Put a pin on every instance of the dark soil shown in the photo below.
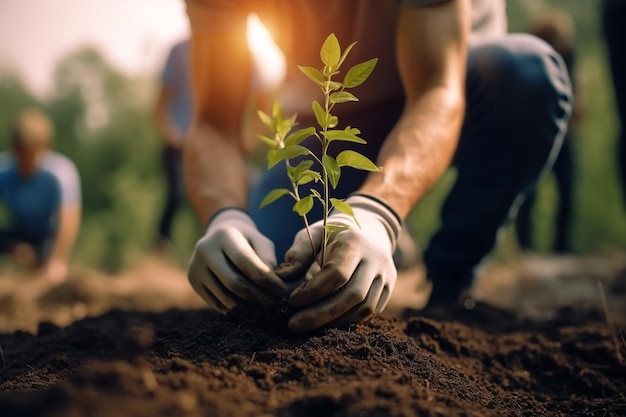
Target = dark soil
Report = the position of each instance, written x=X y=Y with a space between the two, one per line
x=130 y=361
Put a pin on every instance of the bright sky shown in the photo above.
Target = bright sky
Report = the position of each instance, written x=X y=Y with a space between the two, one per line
x=133 y=35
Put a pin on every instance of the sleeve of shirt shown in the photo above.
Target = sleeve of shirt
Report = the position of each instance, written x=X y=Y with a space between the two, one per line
x=168 y=73
x=67 y=176
x=70 y=185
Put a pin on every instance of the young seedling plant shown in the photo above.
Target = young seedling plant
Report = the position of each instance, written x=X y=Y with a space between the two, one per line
x=285 y=145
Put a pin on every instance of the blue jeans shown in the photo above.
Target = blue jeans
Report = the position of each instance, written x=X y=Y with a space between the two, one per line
x=518 y=104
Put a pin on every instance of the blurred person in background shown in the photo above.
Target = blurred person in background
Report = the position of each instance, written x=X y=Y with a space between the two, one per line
x=451 y=86
x=40 y=189
x=613 y=18
x=172 y=115
x=557 y=29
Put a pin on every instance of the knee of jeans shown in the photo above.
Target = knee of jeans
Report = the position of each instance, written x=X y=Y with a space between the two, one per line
x=523 y=67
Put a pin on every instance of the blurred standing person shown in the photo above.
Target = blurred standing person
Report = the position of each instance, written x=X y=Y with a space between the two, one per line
x=172 y=114
x=41 y=190
x=557 y=29
x=613 y=15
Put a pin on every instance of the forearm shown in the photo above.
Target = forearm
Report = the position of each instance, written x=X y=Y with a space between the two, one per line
x=214 y=170
x=432 y=68
x=65 y=238
x=419 y=149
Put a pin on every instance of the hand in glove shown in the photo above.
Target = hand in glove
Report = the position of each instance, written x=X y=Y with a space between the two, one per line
x=234 y=262
x=359 y=274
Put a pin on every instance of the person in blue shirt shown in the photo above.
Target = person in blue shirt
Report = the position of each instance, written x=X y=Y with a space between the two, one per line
x=172 y=115
x=40 y=190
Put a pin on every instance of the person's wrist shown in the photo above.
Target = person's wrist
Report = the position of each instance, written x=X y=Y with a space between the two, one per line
x=383 y=212
x=228 y=213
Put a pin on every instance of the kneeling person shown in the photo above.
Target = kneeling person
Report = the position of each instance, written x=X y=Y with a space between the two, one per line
x=40 y=189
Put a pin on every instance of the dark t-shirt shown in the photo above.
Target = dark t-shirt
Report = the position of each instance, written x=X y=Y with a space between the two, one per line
x=300 y=26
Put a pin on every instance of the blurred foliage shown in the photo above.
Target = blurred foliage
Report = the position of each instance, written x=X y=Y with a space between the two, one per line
x=103 y=122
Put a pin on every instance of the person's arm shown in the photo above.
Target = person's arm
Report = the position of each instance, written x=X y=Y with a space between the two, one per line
x=214 y=160
x=172 y=135
x=431 y=50
x=64 y=240
x=233 y=261
x=359 y=275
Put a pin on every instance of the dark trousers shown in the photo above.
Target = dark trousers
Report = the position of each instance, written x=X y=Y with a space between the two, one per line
x=175 y=196
x=518 y=105
x=614 y=25
x=563 y=172
x=40 y=243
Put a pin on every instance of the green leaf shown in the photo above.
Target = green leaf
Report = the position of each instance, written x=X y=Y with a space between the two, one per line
x=332 y=121
x=286 y=153
x=273 y=195
x=305 y=179
x=320 y=114
x=298 y=136
x=343 y=135
x=330 y=53
x=270 y=142
x=277 y=111
x=294 y=172
x=271 y=153
x=345 y=54
x=302 y=174
x=314 y=74
x=342 y=97
x=332 y=85
x=359 y=73
x=354 y=159
x=344 y=207
x=317 y=195
x=332 y=168
x=336 y=227
x=300 y=168
x=303 y=206
x=267 y=121
x=283 y=127
x=309 y=176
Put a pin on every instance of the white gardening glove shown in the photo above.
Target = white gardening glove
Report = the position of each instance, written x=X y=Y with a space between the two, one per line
x=234 y=263
x=359 y=274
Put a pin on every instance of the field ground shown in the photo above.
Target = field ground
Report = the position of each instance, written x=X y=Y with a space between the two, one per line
x=546 y=338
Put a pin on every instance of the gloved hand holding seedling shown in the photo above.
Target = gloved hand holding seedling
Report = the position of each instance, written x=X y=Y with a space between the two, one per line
x=354 y=241
x=285 y=145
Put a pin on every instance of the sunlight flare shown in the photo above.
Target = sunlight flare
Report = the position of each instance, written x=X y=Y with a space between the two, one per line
x=269 y=61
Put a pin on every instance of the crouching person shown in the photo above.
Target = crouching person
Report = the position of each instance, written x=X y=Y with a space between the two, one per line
x=40 y=190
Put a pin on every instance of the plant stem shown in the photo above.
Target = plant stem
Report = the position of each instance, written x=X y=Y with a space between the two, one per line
x=325 y=172
x=307 y=226
x=325 y=209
